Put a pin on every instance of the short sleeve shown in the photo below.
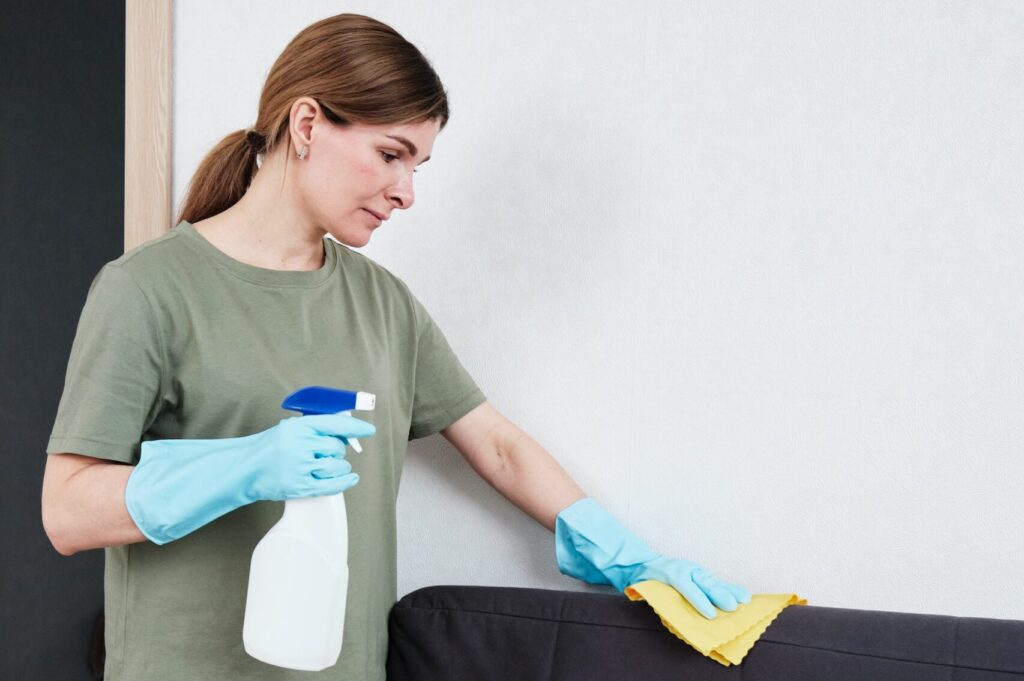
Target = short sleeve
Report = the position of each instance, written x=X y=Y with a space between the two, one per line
x=444 y=391
x=114 y=372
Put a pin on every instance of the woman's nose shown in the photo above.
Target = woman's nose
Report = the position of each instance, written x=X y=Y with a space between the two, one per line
x=402 y=195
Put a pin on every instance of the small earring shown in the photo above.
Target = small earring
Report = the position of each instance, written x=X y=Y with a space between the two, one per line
x=302 y=154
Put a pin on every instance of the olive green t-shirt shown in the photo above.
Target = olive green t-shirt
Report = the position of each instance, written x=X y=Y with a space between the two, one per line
x=179 y=340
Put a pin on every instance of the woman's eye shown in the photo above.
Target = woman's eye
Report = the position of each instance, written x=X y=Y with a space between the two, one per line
x=388 y=158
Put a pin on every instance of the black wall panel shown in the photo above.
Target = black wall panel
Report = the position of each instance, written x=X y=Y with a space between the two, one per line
x=61 y=219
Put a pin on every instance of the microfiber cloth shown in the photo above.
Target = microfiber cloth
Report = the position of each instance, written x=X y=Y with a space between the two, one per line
x=725 y=639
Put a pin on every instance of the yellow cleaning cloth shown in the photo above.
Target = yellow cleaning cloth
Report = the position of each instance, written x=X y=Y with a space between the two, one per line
x=725 y=639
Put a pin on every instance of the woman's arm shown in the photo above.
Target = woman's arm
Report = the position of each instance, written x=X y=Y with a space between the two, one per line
x=589 y=543
x=83 y=504
x=513 y=463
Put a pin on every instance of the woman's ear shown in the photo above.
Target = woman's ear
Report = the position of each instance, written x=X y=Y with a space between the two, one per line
x=301 y=118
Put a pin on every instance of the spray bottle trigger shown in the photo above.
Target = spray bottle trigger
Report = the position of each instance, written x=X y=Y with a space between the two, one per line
x=354 y=443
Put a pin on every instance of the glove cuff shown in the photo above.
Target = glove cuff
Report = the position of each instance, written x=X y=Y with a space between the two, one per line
x=591 y=545
x=570 y=561
x=180 y=485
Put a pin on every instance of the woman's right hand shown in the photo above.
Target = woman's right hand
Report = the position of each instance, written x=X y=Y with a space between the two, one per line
x=180 y=485
x=304 y=456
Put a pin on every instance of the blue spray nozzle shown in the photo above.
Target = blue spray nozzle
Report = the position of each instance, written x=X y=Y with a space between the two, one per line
x=316 y=399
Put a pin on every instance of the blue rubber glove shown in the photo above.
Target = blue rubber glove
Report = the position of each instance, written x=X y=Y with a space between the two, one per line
x=180 y=485
x=591 y=545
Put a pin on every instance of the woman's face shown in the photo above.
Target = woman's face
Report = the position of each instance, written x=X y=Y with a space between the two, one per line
x=356 y=175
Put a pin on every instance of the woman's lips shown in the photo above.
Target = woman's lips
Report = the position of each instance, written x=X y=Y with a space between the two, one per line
x=376 y=220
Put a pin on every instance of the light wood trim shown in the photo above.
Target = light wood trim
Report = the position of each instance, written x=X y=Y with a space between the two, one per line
x=148 y=64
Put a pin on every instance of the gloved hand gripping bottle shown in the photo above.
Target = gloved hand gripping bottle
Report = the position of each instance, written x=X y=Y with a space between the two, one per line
x=298 y=578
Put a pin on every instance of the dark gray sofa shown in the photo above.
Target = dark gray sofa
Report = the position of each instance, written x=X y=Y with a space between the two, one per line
x=461 y=633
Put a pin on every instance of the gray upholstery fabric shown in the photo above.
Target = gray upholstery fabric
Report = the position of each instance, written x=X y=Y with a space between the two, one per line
x=500 y=633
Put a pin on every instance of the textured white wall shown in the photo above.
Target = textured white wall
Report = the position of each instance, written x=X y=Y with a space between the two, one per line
x=750 y=271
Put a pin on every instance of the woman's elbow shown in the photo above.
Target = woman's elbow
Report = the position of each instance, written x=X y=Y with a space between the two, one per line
x=54 y=529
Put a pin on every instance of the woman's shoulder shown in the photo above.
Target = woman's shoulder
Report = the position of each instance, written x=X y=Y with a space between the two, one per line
x=150 y=265
x=369 y=271
x=152 y=254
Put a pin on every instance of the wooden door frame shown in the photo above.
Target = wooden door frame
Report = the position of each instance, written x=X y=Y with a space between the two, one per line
x=148 y=107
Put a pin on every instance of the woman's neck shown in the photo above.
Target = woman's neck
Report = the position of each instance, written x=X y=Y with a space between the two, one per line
x=264 y=233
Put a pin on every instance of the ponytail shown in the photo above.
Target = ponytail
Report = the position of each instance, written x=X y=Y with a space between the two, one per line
x=222 y=178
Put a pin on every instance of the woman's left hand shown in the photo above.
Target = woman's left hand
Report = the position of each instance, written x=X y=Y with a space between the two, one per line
x=697 y=585
x=593 y=546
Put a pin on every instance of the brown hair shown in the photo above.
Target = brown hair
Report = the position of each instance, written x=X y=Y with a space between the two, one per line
x=358 y=69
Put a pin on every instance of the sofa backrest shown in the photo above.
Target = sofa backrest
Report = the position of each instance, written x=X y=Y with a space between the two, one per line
x=449 y=633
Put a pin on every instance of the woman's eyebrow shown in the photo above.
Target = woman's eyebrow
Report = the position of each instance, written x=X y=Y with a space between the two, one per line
x=408 y=145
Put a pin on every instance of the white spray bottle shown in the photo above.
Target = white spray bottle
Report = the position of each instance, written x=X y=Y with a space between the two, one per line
x=298 y=578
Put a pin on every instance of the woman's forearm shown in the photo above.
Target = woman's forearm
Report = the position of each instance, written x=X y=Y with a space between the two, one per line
x=531 y=479
x=87 y=510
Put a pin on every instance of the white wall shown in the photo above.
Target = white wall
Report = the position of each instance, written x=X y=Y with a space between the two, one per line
x=750 y=271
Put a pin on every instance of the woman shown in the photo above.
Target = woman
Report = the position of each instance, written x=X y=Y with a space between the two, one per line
x=170 y=449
